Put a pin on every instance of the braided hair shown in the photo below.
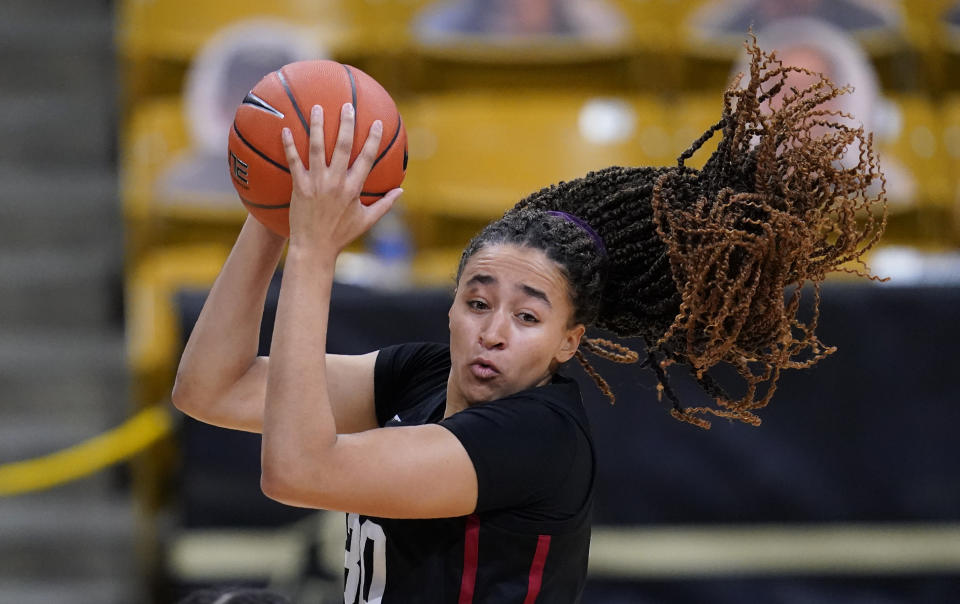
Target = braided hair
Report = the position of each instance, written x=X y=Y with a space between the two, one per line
x=697 y=262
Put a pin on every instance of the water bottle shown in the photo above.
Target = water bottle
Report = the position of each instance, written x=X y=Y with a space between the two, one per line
x=392 y=247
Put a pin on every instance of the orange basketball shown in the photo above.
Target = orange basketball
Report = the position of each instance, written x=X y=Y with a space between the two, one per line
x=258 y=166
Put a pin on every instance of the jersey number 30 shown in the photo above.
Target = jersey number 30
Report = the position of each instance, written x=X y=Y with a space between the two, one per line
x=366 y=544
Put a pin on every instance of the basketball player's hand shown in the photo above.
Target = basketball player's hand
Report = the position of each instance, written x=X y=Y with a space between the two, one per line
x=325 y=209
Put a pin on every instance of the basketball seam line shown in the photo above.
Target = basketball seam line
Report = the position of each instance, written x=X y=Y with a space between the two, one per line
x=296 y=107
x=262 y=206
x=258 y=151
x=293 y=101
x=353 y=89
x=396 y=133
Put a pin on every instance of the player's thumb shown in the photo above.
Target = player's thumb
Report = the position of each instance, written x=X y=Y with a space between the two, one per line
x=379 y=208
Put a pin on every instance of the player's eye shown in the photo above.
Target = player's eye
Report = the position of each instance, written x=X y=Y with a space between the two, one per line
x=477 y=304
x=527 y=317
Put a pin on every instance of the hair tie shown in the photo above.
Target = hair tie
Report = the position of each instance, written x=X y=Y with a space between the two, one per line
x=597 y=241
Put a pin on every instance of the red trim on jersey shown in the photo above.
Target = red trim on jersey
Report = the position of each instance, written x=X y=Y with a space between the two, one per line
x=536 y=569
x=471 y=554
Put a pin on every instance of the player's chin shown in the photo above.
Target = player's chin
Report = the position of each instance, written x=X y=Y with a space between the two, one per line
x=482 y=394
x=485 y=391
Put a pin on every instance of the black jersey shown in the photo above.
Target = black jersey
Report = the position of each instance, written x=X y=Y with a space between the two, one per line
x=529 y=537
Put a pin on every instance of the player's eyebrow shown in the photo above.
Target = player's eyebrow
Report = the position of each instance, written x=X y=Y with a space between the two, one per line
x=482 y=279
x=535 y=293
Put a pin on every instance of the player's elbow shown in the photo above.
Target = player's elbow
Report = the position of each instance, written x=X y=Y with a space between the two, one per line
x=290 y=488
x=275 y=486
x=180 y=396
x=299 y=474
x=187 y=398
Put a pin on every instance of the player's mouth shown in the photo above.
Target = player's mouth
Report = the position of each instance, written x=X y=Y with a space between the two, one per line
x=483 y=369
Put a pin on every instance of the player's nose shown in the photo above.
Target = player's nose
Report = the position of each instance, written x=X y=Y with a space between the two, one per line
x=493 y=334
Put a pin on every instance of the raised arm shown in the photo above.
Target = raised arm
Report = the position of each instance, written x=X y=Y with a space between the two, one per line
x=222 y=381
x=417 y=471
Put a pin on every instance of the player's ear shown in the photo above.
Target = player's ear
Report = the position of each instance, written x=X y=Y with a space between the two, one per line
x=571 y=341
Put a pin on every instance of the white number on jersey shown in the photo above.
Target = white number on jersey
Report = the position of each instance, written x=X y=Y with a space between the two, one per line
x=358 y=579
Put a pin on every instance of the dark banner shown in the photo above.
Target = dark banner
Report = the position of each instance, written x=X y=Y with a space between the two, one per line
x=867 y=435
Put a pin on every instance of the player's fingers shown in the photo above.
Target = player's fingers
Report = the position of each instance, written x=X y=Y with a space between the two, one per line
x=297 y=170
x=364 y=162
x=318 y=152
x=341 y=153
x=377 y=209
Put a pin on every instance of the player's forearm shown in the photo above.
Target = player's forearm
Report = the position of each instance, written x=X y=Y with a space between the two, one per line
x=299 y=429
x=224 y=341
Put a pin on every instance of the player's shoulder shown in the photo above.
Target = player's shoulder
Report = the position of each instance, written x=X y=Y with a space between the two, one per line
x=561 y=398
x=414 y=355
x=551 y=414
x=409 y=375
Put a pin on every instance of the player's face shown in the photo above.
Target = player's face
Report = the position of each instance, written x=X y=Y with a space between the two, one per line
x=510 y=324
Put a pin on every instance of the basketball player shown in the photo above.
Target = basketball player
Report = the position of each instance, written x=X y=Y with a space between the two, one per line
x=467 y=470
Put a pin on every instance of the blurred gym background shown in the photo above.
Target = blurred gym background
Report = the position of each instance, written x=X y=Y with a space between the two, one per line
x=117 y=212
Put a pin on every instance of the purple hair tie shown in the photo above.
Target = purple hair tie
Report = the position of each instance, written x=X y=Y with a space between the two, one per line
x=586 y=227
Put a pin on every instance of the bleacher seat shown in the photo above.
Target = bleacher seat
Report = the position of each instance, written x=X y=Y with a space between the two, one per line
x=175 y=30
x=949 y=112
x=917 y=153
x=476 y=154
x=156 y=136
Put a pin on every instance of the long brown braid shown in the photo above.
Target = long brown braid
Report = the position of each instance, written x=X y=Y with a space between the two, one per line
x=604 y=349
x=697 y=262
